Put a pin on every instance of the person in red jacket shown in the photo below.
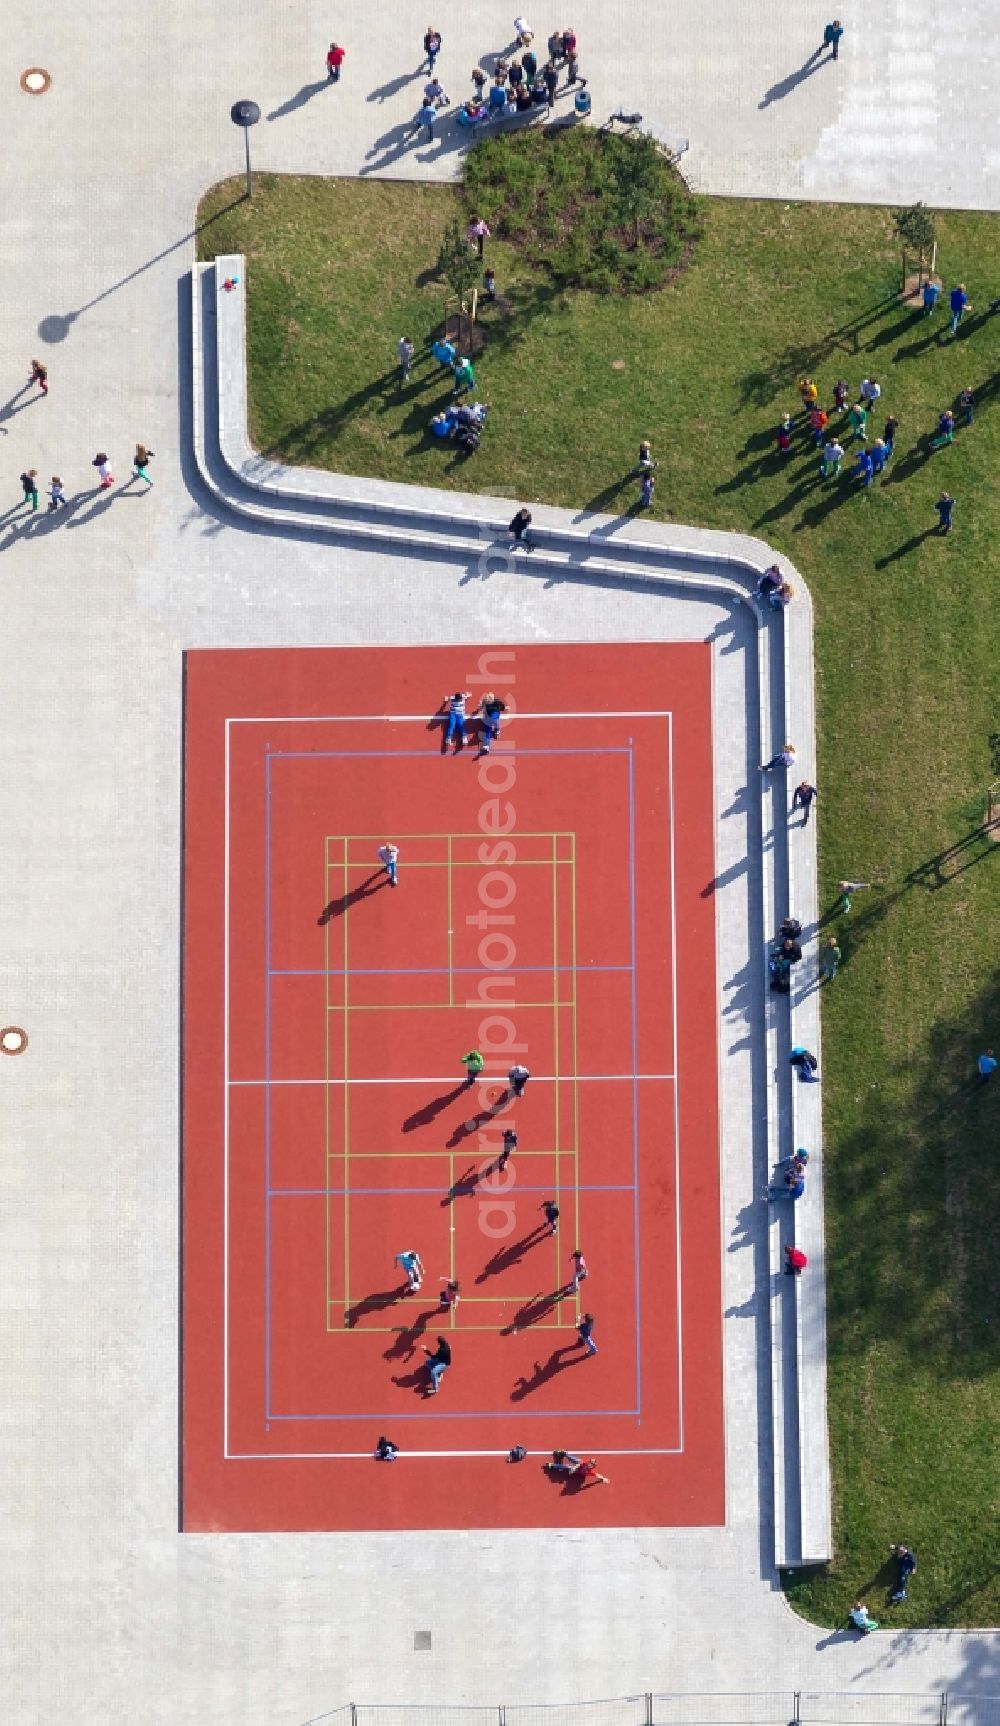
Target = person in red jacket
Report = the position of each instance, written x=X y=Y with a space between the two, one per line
x=334 y=61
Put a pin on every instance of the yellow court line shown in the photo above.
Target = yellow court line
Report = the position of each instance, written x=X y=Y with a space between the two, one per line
x=451 y=935
x=425 y=1006
x=397 y=1330
x=555 y=1045
x=576 y=1064
x=441 y=1152
x=327 y=1087
x=442 y=863
x=539 y=833
x=347 y=1108
x=473 y=1300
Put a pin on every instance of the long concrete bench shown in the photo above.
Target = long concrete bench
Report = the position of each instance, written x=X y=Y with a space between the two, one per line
x=451 y=525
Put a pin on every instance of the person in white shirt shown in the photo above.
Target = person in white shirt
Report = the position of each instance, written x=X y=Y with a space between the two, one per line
x=387 y=856
x=523 y=32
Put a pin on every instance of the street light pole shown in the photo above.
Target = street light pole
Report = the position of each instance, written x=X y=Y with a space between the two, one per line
x=245 y=114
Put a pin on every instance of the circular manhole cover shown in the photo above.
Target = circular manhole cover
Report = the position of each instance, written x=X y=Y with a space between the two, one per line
x=13 y=1041
x=35 y=81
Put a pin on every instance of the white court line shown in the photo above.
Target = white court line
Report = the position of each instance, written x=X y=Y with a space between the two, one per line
x=536 y=1079
x=410 y=1455
x=291 y=719
x=422 y=718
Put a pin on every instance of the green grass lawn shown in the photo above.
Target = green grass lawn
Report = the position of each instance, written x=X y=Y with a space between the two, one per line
x=908 y=652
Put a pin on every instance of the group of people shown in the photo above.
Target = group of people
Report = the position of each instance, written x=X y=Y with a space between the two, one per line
x=521 y=82
x=56 y=490
x=871 y=459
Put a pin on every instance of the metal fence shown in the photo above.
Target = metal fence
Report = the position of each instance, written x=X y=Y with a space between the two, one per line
x=760 y=1708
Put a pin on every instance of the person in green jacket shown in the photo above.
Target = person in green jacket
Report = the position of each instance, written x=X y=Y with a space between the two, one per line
x=473 y=1063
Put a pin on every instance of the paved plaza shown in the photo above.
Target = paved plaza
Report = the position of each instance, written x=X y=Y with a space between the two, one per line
x=109 y=1615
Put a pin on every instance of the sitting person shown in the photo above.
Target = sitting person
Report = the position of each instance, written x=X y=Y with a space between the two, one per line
x=861 y=1618
x=780 y=595
x=442 y=425
x=790 y=926
x=806 y=1062
x=791 y=950
x=523 y=100
x=791 y=1186
x=386 y=1450
x=563 y=1462
x=471 y=113
x=780 y=972
x=468 y=439
x=769 y=581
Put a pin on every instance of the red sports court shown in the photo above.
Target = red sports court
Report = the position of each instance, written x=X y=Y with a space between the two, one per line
x=554 y=908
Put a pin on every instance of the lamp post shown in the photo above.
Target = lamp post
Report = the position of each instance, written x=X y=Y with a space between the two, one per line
x=245 y=114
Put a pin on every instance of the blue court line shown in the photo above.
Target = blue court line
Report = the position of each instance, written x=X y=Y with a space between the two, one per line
x=422 y=753
x=471 y=1413
x=393 y=1192
x=443 y=971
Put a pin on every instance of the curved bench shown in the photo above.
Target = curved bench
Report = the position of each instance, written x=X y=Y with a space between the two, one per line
x=451 y=525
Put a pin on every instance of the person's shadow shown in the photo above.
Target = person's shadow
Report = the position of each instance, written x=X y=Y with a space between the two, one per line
x=14 y=405
x=786 y=85
x=558 y=1361
x=404 y=1347
x=504 y=1257
x=419 y=1380
x=337 y=907
x=299 y=100
x=383 y=91
x=465 y=1185
x=423 y=1116
x=473 y=1123
x=373 y=1303
x=533 y=1311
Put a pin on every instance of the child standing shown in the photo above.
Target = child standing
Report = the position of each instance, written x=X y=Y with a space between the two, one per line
x=29 y=486
x=785 y=434
x=819 y=419
x=56 y=494
x=334 y=61
x=105 y=477
x=841 y=391
x=40 y=376
x=966 y=402
x=857 y=418
x=490 y=283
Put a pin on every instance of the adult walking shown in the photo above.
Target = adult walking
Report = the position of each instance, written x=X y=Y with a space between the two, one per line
x=517 y=1078
x=831 y=37
x=959 y=306
x=405 y=350
x=334 y=61
x=432 y=45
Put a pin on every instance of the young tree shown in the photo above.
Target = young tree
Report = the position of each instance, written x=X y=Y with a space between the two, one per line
x=915 y=229
x=458 y=264
x=636 y=170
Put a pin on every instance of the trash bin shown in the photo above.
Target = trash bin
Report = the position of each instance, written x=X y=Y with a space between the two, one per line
x=581 y=104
